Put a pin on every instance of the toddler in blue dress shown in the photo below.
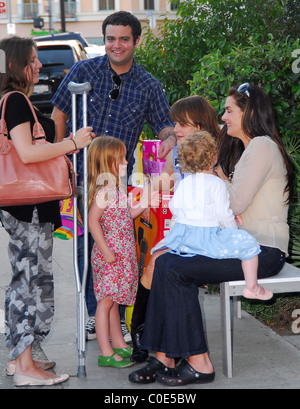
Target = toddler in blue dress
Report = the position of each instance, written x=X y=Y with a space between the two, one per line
x=205 y=224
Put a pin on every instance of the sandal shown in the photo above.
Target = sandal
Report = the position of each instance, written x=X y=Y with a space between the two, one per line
x=148 y=373
x=123 y=352
x=184 y=374
x=113 y=362
x=261 y=293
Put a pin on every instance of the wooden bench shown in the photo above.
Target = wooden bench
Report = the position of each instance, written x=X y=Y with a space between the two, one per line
x=287 y=281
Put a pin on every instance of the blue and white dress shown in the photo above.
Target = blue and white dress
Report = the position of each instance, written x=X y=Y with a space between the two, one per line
x=205 y=224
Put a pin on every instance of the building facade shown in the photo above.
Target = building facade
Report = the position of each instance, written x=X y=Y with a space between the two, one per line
x=83 y=16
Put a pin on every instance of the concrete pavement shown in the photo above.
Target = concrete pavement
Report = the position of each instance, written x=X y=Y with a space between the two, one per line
x=262 y=358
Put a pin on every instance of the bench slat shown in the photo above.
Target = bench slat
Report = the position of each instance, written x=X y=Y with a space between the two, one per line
x=288 y=280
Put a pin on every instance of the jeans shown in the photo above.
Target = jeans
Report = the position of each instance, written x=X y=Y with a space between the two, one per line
x=173 y=322
x=91 y=302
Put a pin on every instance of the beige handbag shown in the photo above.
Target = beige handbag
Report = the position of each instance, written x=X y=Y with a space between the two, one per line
x=33 y=183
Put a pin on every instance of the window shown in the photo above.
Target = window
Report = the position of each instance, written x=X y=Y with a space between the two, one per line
x=106 y=4
x=174 y=4
x=30 y=9
x=70 y=8
x=149 y=4
x=53 y=57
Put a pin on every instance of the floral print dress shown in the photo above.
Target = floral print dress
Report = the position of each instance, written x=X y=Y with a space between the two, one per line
x=119 y=280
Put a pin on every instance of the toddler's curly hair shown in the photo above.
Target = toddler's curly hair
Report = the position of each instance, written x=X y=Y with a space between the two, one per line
x=197 y=152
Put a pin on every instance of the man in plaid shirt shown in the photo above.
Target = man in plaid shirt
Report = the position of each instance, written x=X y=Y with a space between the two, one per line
x=123 y=96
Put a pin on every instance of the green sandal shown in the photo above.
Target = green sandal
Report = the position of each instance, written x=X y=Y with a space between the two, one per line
x=123 y=352
x=112 y=362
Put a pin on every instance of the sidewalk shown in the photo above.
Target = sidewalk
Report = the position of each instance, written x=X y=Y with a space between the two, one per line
x=262 y=358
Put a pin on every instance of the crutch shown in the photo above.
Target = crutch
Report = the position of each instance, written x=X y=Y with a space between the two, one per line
x=80 y=89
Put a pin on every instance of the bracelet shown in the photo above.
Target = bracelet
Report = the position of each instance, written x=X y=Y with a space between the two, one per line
x=76 y=149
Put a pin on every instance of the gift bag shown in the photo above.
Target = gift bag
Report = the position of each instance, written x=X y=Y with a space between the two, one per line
x=66 y=231
x=152 y=166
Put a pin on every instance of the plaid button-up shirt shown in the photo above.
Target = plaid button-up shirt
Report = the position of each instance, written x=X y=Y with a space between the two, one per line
x=141 y=99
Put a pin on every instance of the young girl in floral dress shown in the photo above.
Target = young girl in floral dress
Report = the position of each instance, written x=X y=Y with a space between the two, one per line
x=114 y=260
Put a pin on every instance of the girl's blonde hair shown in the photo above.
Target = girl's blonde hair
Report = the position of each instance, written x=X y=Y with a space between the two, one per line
x=104 y=156
x=17 y=52
x=197 y=153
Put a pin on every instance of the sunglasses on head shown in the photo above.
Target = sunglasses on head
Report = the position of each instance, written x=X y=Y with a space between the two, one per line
x=244 y=89
x=115 y=92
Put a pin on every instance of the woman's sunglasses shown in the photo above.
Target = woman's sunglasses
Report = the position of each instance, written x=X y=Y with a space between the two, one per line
x=244 y=89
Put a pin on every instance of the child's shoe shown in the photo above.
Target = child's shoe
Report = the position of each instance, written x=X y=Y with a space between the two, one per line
x=260 y=293
x=123 y=352
x=113 y=362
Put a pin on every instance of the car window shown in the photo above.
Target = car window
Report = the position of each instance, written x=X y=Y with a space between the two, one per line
x=62 y=57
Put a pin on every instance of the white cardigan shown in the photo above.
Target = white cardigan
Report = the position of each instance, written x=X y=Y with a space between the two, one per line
x=202 y=199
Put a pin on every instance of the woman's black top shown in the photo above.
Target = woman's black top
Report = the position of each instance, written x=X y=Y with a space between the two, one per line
x=18 y=112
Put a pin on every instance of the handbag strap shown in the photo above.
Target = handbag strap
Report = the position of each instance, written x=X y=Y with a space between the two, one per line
x=38 y=131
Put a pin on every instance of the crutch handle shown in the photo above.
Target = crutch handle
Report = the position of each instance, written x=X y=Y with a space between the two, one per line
x=83 y=88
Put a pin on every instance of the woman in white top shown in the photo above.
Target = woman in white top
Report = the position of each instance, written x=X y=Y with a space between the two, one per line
x=260 y=192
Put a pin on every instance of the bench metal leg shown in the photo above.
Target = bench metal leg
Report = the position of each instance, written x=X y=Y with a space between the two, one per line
x=227 y=324
x=237 y=307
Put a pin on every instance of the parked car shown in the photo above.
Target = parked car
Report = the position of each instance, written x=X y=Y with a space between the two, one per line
x=92 y=50
x=57 y=58
x=63 y=37
x=95 y=50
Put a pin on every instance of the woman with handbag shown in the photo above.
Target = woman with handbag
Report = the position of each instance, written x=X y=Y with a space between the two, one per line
x=29 y=305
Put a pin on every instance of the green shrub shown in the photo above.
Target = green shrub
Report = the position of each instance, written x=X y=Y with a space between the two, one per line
x=268 y=65
x=214 y=45
x=275 y=313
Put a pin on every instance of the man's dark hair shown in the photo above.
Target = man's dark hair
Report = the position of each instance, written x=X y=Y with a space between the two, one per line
x=123 y=18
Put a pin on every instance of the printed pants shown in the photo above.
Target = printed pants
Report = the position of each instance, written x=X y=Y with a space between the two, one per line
x=29 y=303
